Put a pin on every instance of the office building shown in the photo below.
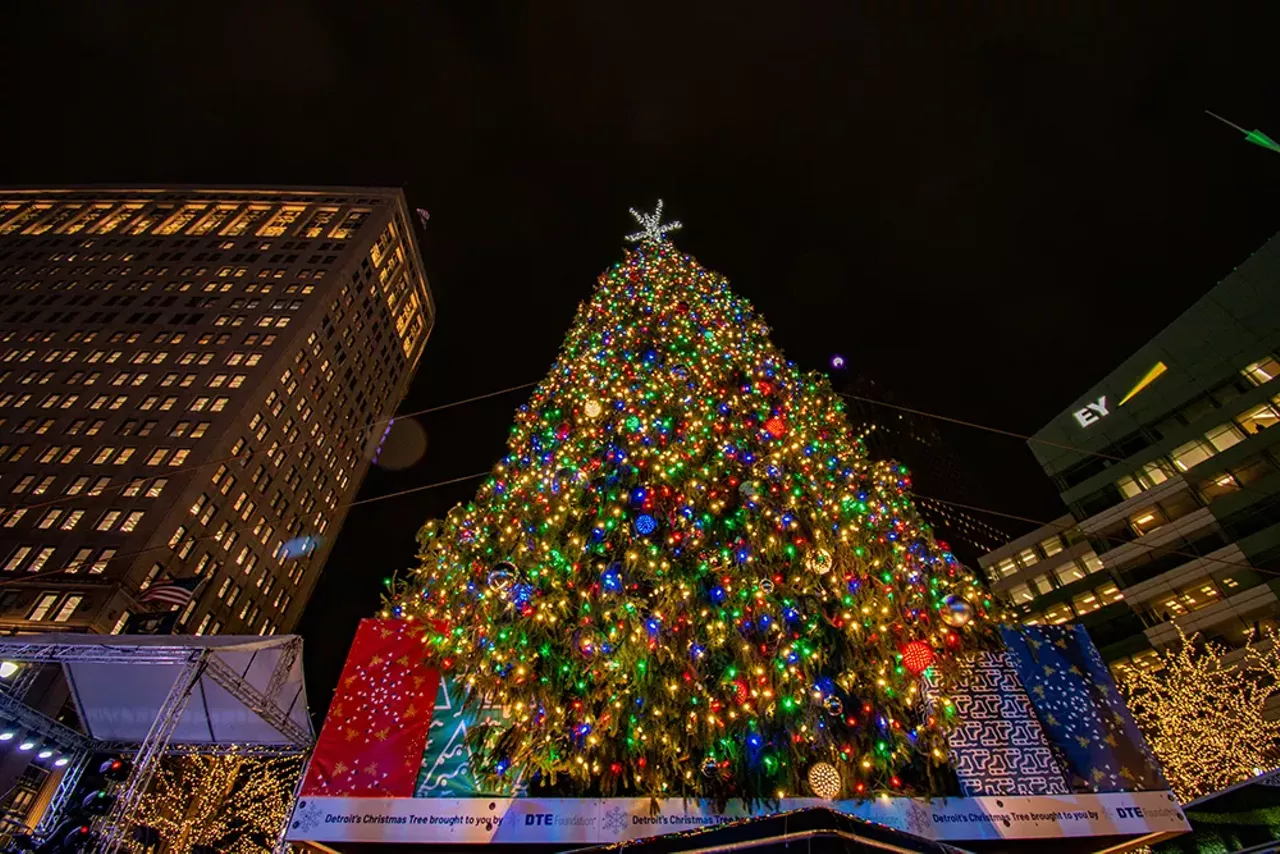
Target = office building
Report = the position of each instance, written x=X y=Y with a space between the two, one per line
x=188 y=382
x=1170 y=467
x=944 y=486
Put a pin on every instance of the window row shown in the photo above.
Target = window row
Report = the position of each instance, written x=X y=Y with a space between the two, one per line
x=1079 y=605
x=34 y=558
x=1067 y=573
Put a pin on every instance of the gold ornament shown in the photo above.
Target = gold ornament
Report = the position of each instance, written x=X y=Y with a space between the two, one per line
x=824 y=780
x=592 y=408
x=820 y=561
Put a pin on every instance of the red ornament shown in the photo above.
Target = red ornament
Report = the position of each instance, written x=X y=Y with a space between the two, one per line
x=917 y=657
x=776 y=427
x=741 y=693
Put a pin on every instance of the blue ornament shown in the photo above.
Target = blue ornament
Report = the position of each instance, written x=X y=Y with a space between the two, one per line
x=645 y=524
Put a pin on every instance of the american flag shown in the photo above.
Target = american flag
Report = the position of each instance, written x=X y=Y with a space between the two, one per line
x=173 y=591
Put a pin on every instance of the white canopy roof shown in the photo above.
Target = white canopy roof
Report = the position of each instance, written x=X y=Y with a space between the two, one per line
x=120 y=682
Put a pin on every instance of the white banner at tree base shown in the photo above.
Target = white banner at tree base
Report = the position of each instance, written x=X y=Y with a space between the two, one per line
x=588 y=821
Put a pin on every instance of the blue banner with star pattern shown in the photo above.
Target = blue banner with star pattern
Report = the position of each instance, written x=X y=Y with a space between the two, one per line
x=1081 y=711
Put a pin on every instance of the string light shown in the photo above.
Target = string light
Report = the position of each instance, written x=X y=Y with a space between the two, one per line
x=1204 y=716
x=229 y=802
x=700 y=567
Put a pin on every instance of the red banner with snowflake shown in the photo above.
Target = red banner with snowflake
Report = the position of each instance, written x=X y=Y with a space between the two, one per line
x=373 y=737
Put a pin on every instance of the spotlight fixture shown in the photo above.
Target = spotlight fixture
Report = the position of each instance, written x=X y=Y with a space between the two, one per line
x=44 y=754
x=60 y=761
x=7 y=735
x=26 y=745
x=8 y=668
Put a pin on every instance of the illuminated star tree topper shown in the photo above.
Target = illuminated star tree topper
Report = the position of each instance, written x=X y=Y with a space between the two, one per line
x=653 y=228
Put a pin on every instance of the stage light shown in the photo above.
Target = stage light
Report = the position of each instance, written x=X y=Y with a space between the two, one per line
x=7 y=735
x=60 y=761
x=8 y=668
x=44 y=754
x=26 y=745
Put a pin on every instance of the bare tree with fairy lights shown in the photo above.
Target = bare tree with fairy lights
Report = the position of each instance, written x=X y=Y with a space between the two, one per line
x=235 y=803
x=1202 y=711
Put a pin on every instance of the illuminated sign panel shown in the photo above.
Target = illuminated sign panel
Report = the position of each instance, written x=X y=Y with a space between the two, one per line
x=1092 y=413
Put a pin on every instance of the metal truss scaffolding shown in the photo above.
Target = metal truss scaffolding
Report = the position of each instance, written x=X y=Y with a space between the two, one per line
x=233 y=665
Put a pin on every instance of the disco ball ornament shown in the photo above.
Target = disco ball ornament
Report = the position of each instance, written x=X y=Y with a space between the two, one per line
x=766 y=585
x=776 y=427
x=592 y=408
x=502 y=577
x=956 y=611
x=680 y=372
x=833 y=705
x=917 y=657
x=749 y=490
x=824 y=780
x=709 y=767
x=820 y=561
x=645 y=524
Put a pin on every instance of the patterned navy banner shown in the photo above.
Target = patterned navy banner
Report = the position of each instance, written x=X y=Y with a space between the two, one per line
x=998 y=747
x=1081 y=711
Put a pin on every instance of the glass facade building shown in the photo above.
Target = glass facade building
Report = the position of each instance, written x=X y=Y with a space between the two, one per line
x=189 y=383
x=1170 y=467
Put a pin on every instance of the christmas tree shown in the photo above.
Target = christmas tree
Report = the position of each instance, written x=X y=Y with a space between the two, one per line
x=686 y=578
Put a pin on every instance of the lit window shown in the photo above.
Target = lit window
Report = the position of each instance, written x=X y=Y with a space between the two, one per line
x=108 y=520
x=77 y=563
x=1258 y=419
x=1027 y=557
x=43 y=605
x=179 y=456
x=1192 y=454
x=100 y=485
x=199 y=404
x=68 y=608
x=77 y=485
x=16 y=557
x=121 y=623
x=131 y=521
x=1224 y=436
x=1069 y=573
x=220 y=404
x=156 y=487
x=43 y=486
x=41 y=558
x=1021 y=594
x=1086 y=602
x=157 y=456
x=123 y=456
x=1145 y=521
x=103 y=454
x=72 y=519
x=1262 y=371
x=100 y=565
x=50 y=519
x=1051 y=546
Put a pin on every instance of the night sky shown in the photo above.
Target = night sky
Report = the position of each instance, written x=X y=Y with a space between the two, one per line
x=984 y=206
